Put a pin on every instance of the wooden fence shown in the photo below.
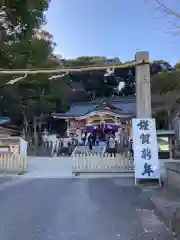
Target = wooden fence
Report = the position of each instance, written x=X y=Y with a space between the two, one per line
x=13 y=163
x=102 y=163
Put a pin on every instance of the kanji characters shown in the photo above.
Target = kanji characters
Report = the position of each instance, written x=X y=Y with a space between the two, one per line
x=145 y=138
x=147 y=169
x=143 y=125
x=146 y=154
x=144 y=79
x=146 y=158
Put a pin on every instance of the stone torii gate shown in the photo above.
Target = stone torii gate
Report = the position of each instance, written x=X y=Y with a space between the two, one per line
x=142 y=72
x=142 y=76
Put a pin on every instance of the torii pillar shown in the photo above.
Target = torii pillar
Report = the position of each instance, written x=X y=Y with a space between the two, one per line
x=143 y=86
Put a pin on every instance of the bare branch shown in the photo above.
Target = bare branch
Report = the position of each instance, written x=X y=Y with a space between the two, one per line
x=166 y=9
x=172 y=15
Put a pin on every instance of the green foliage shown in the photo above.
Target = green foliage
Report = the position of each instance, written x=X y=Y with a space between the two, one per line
x=90 y=61
x=165 y=88
x=24 y=45
x=164 y=82
x=177 y=66
x=20 y=46
x=21 y=17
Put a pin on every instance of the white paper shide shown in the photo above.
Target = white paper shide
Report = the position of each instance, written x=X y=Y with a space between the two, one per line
x=145 y=149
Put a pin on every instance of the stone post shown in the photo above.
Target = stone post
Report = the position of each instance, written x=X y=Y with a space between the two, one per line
x=143 y=86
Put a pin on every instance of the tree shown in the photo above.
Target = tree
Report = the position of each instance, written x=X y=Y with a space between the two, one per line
x=23 y=44
x=167 y=103
x=160 y=66
x=165 y=87
x=19 y=20
x=157 y=67
x=90 y=61
x=129 y=87
x=177 y=65
x=164 y=82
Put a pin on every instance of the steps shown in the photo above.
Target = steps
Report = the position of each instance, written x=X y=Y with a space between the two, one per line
x=95 y=149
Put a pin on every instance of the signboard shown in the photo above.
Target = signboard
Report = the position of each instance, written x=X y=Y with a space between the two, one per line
x=145 y=149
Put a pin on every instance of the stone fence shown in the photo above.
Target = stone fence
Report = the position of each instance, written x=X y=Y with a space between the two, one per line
x=173 y=175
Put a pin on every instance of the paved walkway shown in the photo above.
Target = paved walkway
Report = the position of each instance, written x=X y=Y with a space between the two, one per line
x=61 y=167
x=48 y=167
x=78 y=209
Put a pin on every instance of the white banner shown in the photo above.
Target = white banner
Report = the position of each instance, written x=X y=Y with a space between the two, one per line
x=145 y=148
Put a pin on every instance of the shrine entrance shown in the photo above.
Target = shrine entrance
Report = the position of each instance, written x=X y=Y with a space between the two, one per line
x=104 y=117
x=103 y=130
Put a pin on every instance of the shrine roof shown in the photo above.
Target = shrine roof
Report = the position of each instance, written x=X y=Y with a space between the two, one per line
x=117 y=105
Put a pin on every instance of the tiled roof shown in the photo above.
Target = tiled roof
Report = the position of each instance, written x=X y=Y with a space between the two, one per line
x=124 y=104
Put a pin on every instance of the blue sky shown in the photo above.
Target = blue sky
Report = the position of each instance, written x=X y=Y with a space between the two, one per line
x=111 y=28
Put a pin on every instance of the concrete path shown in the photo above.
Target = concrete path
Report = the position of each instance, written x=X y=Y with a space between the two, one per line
x=57 y=167
x=48 y=167
x=78 y=209
x=60 y=167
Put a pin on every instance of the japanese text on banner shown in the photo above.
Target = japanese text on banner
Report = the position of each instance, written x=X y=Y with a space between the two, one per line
x=145 y=148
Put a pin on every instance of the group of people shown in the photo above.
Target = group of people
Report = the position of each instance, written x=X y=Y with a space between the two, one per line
x=91 y=140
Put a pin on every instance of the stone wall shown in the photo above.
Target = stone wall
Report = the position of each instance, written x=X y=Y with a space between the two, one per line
x=173 y=175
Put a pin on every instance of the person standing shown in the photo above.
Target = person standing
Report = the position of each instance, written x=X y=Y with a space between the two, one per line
x=94 y=139
x=112 y=145
x=90 y=142
x=131 y=148
x=83 y=137
x=97 y=140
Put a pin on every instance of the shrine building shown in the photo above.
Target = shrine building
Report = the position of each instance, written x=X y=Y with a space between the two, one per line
x=101 y=115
